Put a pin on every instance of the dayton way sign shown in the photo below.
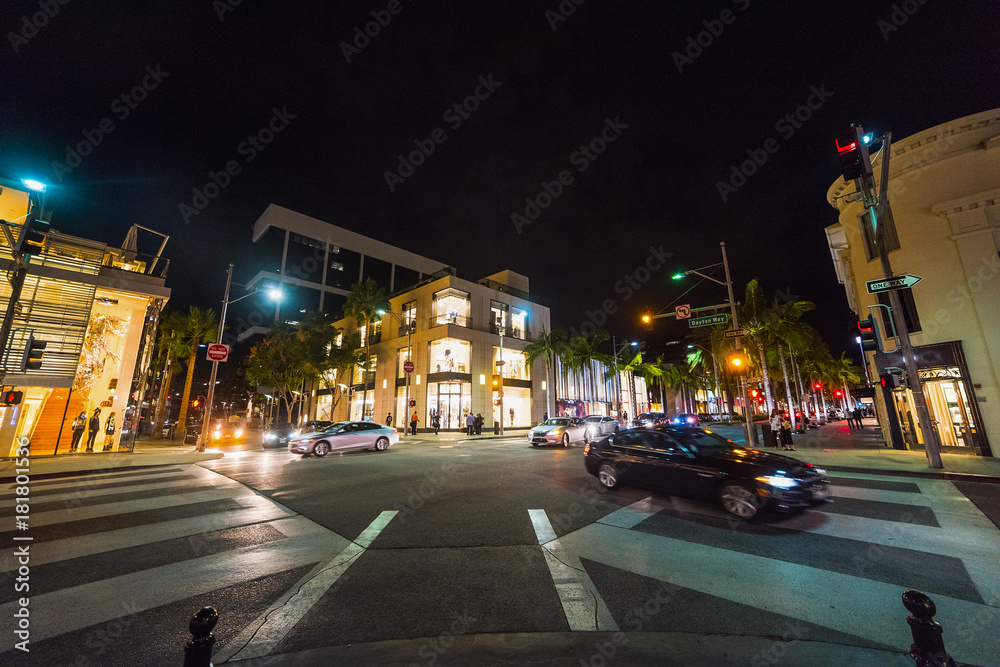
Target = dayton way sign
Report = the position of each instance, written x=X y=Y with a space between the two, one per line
x=708 y=320
x=896 y=282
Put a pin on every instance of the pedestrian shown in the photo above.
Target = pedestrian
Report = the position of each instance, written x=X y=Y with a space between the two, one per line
x=109 y=432
x=857 y=418
x=413 y=422
x=94 y=426
x=785 y=433
x=479 y=423
x=849 y=416
x=388 y=419
x=545 y=417
x=79 y=426
x=470 y=424
x=805 y=420
x=775 y=426
x=436 y=422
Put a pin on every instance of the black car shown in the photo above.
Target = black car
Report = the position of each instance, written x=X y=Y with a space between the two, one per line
x=278 y=434
x=316 y=426
x=697 y=463
x=651 y=419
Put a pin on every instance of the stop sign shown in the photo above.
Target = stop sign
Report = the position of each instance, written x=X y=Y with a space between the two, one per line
x=218 y=352
x=408 y=366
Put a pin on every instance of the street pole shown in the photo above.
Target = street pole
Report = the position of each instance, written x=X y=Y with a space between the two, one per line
x=747 y=409
x=409 y=357
x=500 y=370
x=931 y=445
x=618 y=386
x=215 y=367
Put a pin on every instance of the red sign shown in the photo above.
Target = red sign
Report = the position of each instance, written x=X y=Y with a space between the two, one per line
x=218 y=352
x=408 y=366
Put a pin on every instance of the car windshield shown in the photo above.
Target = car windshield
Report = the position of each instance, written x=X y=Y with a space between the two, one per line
x=562 y=421
x=702 y=442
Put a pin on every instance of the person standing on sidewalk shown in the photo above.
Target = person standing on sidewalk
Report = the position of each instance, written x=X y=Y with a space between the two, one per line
x=775 y=426
x=388 y=420
x=849 y=416
x=79 y=426
x=479 y=423
x=413 y=422
x=436 y=422
x=109 y=432
x=470 y=424
x=93 y=427
x=786 y=434
x=857 y=417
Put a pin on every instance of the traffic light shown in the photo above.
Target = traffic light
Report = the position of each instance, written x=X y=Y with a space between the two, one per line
x=195 y=403
x=890 y=381
x=852 y=149
x=34 y=351
x=754 y=392
x=838 y=393
x=11 y=397
x=496 y=382
x=738 y=364
x=32 y=237
x=413 y=402
x=870 y=341
x=647 y=321
x=817 y=386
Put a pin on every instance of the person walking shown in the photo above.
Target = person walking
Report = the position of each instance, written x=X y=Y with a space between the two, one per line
x=436 y=422
x=786 y=434
x=109 y=432
x=388 y=419
x=94 y=425
x=775 y=427
x=470 y=424
x=849 y=416
x=479 y=423
x=79 y=426
x=413 y=422
x=857 y=418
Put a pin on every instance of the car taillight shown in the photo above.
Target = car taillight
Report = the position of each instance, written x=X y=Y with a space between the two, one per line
x=395 y=430
x=586 y=449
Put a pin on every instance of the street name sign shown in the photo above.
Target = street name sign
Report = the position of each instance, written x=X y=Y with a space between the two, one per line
x=218 y=352
x=896 y=282
x=683 y=312
x=736 y=333
x=708 y=320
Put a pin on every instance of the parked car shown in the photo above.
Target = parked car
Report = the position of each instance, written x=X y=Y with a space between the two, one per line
x=599 y=426
x=697 y=463
x=707 y=417
x=344 y=436
x=651 y=419
x=834 y=414
x=558 y=430
x=278 y=434
x=686 y=419
x=191 y=433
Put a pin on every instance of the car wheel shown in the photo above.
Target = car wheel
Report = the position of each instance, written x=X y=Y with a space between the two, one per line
x=534 y=444
x=321 y=448
x=382 y=444
x=607 y=476
x=740 y=500
x=565 y=439
x=616 y=428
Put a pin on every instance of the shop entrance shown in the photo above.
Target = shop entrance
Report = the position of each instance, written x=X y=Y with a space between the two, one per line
x=453 y=401
x=949 y=407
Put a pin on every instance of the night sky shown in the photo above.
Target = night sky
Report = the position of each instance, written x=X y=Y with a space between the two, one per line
x=676 y=116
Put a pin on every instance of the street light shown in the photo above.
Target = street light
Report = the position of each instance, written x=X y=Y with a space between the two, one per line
x=275 y=294
x=32 y=184
x=409 y=331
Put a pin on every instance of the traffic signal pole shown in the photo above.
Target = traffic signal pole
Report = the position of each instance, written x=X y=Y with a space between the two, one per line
x=876 y=210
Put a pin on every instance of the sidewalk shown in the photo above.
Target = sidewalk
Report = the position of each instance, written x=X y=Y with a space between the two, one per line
x=147 y=453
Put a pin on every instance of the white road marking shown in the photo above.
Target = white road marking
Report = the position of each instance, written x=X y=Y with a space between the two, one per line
x=581 y=602
x=634 y=514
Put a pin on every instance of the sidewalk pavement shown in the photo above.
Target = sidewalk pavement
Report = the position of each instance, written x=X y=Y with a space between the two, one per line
x=152 y=453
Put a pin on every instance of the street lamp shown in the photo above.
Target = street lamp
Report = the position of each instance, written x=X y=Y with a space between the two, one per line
x=409 y=331
x=275 y=294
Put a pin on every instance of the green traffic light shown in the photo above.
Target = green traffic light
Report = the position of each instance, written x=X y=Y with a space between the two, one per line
x=677 y=276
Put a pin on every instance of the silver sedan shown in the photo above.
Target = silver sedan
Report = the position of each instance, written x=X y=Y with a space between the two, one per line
x=345 y=436
x=558 y=430
x=599 y=426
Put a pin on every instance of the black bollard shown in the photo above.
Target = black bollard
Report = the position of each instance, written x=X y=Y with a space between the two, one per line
x=927 y=649
x=198 y=651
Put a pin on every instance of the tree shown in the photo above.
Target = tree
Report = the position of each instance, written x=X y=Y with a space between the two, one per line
x=169 y=348
x=332 y=355
x=280 y=361
x=192 y=330
x=550 y=346
x=363 y=305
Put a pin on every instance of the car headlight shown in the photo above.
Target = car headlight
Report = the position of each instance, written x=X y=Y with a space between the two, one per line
x=555 y=432
x=239 y=433
x=778 y=481
x=269 y=436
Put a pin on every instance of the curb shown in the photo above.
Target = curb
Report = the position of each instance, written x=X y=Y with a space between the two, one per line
x=948 y=476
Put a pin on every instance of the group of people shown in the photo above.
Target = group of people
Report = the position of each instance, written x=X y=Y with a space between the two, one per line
x=473 y=424
x=782 y=425
x=81 y=424
x=854 y=418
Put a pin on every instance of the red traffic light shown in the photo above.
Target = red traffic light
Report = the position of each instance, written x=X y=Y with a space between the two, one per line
x=12 y=397
x=818 y=386
x=838 y=393
x=754 y=392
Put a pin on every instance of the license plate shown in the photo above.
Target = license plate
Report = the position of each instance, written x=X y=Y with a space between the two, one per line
x=819 y=493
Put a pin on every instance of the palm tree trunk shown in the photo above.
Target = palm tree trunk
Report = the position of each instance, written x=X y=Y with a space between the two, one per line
x=788 y=386
x=549 y=375
x=161 y=401
x=186 y=397
x=803 y=399
x=766 y=376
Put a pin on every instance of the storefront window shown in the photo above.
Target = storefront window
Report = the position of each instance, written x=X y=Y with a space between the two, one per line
x=499 y=319
x=402 y=355
x=514 y=364
x=451 y=306
x=450 y=355
x=516 y=407
x=363 y=406
x=451 y=401
x=518 y=323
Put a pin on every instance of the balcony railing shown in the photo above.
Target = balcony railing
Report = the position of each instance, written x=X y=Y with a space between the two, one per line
x=136 y=262
x=441 y=320
x=510 y=332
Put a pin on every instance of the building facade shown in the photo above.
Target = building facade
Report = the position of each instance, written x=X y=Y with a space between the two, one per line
x=96 y=308
x=944 y=226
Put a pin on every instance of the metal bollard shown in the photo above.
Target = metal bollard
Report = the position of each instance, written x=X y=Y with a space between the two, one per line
x=927 y=649
x=198 y=651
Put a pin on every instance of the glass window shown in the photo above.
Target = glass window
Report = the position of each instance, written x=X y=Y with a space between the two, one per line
x=343 y=267
x=409 y=313
x=333 y=304
x=402 y=355
x=451 y=306
x=404 y=278
x=518 y=323
x=267 y=251
x=380 y=271
x=370 y=374
x=909 y=311
x=450 y=355
x=499 y=317
x=305 y=258
x=514 y=364
x=297 y=301
x=890 y=238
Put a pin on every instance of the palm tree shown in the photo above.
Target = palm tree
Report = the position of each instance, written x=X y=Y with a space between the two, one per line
x=197 y=327
x=787 y=332
x=363 y=305
x=753 y=317
x=580 y=352
x=169 y=349
x=550 y=346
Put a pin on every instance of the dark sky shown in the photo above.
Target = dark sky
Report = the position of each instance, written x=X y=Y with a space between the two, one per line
x=656 y=184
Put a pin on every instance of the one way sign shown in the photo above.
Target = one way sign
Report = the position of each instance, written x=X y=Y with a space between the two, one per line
x=896 y=282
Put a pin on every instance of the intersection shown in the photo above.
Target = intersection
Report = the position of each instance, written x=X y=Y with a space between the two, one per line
x=444 y=551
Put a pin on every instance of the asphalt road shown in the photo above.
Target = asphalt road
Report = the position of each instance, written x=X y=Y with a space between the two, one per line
x=434 y=539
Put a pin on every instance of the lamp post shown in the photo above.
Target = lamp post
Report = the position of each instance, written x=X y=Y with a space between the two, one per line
x=207 y=419
x=500 y=325
x=409 y=353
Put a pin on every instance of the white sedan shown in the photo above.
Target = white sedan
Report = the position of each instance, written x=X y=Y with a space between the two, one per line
x=558 y=430
x=599 y=426
x=344 y=436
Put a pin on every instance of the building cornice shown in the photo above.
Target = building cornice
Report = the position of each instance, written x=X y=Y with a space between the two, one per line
x=968 y=202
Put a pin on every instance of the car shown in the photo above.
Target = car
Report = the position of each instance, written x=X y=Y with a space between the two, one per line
x=226 y=431
x=558 y=430
x=315 y=426
x=698 y=463
x=344 y=436
x=600 y=425
x=834 y=414
x=191 y=433
x=686 y=419
x=651 y=419
x=278 y=434
x=707 y=417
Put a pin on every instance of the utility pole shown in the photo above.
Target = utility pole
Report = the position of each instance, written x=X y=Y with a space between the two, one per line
x=500 y=325
x=747 y=408
x=215 y=367
x=876 y=207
